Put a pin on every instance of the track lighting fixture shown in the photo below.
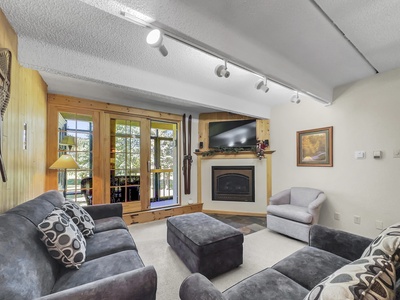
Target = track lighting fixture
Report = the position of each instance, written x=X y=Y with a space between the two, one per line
x=222 y=71
x=262 y=85
x=154 y=39
x=295 y=98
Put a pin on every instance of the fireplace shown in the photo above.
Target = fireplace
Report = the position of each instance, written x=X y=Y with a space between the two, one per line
x=233 y=183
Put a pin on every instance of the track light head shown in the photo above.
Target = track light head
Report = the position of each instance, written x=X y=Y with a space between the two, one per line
x=261 y=85
x=222 y=71
x=295 y=98
x=154 y=39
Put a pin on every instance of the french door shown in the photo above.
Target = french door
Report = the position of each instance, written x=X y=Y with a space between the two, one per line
x=120 y=158
x=142 y=162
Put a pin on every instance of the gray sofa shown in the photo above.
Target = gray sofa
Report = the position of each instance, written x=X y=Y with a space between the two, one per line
x=291 y=278
x=113 y=268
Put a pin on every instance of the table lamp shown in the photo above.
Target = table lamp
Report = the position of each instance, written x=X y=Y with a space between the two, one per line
x=65 y=162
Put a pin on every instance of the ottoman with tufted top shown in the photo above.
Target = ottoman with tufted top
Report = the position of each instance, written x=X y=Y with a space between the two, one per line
x=204 y=244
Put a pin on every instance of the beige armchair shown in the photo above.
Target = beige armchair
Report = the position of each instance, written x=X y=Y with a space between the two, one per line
x=293 y=211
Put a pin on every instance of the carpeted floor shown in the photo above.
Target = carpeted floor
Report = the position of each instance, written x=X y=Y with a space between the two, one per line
x=261 y=250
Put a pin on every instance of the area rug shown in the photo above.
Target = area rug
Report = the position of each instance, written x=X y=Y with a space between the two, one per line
x=261 y=249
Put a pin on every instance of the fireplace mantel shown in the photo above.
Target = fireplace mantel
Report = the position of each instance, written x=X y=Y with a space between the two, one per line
x=240 y=154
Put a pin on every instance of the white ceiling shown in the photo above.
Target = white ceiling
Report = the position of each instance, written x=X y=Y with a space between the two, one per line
x=87 y=49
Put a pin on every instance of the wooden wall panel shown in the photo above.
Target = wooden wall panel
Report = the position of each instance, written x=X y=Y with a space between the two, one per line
x=25 y=168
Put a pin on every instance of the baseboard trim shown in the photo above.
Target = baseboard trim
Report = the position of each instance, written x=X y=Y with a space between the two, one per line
x=238 y=213
x=159 y=214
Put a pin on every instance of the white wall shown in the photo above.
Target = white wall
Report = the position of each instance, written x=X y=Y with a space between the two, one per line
x=365 y=116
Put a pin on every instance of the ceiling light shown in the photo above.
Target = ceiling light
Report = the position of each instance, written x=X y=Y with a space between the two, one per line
x=295 y=98
x=261 y=85
x=154 y=39
x=222 y=71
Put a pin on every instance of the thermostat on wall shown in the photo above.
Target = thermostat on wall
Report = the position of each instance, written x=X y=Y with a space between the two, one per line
x=377 y=154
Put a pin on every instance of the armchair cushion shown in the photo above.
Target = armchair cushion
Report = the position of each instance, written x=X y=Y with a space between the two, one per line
x=291 y=212
x=282 y=197
x=302 y=196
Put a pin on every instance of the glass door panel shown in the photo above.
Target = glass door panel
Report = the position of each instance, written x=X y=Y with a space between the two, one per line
x=164 y=162
x=128 y=169
x=75 y=138
x=125 y=162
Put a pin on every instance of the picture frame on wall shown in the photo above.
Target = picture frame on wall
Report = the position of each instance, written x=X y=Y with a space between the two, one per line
x=314 y=147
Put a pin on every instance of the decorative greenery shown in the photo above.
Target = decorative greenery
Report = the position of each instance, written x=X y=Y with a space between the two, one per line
x=259 y=150
x=225 y=150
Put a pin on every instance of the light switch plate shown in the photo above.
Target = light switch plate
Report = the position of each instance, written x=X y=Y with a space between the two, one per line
x=359 y=154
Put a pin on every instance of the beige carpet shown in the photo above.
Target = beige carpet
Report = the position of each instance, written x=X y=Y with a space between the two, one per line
x=261 y=249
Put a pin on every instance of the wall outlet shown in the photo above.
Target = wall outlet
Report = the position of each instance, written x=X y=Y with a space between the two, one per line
x=379 y=224
x=336 y=216
x=357 y=219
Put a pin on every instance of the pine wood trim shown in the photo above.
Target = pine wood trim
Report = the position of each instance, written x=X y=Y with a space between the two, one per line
x=224 y=212
x=159 y=214
x=70 y=101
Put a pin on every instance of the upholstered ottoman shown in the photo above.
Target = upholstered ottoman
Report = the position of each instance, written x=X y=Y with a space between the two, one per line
x=204 y=244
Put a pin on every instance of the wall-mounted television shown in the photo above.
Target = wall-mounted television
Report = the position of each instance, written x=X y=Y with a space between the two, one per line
x=232 y=134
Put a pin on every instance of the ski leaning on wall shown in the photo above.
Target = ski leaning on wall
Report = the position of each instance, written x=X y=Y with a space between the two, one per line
x=187 y=150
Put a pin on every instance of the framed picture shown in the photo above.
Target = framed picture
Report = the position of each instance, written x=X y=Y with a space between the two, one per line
x=314 y=147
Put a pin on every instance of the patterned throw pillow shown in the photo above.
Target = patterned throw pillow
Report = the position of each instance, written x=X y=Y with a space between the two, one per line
x=371 y=277
x=63 y=239
x=387 y=243
x=80 y=217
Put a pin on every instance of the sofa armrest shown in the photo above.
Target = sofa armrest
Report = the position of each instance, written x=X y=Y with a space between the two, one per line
x=101 y=211
x=198 y=287
x=282 y=197
x=344 y=244
x=136 y=284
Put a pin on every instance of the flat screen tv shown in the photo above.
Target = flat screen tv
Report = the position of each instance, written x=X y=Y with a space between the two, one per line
x=232 y=134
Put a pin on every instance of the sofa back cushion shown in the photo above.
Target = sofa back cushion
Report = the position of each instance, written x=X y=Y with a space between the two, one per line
x=27 y=269
x=302 y=196
x=37 y=209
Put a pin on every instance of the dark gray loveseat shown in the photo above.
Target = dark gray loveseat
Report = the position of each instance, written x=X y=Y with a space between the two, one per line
x=112 y=270
x=291 y=278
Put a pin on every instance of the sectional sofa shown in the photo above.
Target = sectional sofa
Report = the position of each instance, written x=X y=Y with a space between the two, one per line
x=112 y=268
x=335 y=265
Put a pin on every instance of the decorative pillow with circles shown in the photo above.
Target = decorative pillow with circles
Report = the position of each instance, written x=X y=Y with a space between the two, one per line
x=387 y=243
x=80 y=217
x=372 y=277
x=63 y=239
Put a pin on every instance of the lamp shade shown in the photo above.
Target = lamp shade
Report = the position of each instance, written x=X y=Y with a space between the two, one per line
x=68 y=141
x=65 y=161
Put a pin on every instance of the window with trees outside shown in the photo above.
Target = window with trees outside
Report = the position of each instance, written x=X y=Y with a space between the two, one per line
x=75 y=134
